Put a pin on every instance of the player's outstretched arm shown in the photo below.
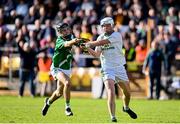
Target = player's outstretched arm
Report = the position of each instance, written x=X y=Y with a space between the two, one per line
x=92 y=52
x=97 y=43
x=72 y=42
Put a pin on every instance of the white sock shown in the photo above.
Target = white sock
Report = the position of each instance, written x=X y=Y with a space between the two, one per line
x=126 y=108
x=67 y=105
x=48 y=102
x=113 y=117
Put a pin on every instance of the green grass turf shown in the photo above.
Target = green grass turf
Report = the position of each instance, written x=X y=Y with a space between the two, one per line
x=28 y=110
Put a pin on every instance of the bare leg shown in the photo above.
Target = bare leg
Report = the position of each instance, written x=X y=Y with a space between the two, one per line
x=109 y=84
x=57 y=93
x=126 y=99
x=67 y=86
x=63 y=86
x=125 y=88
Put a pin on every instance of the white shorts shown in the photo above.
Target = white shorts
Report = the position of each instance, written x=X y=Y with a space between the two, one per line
x=54 y=71
x=117 y=74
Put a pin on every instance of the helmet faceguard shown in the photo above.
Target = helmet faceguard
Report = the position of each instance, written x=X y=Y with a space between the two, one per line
x=61 y=26
x=62 y=30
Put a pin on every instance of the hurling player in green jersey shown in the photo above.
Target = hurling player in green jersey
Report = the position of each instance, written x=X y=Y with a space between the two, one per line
x=61 y=67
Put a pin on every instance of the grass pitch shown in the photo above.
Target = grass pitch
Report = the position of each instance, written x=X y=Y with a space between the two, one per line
x=28 y=110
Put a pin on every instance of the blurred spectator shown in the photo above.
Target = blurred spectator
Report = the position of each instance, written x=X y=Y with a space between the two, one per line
x=172 y=16
x=10 y=42
x=141 y=51
x=141 y=30
x=31 y=16
x=85 y=33
x=19 y=36
x=154 y=63
x=75 y=5
x=91 y=17
x=42 y=15
x=44 y=64
x=136 y=5
x=76 y=31
x=169 y=52
x=108 y=11
x=132 y=26
x=46 y=41
x=3 y=17
x=25 y=32
x=32 y=38
x=138 y=16
x=27 y=66
x=2 y=37
x=37 y=4
x=98 y=4
x=87 y=6
x=51 y=48
x=133 y=39
x=59 y=17
x=152 y=28
x=48 y=30
x=37 y=29
x=160 y=29
x=119 y=17
x=79 y=17
x=174 y=33
x=130 y=53
x=160 y=11
x=94 y=32
x=160 y=39
x=12 y=17
x=153 y=17
x=150 y=3
x=68 y=17
x=8 y=6
x=18 y=25
x=51 y=8
x=22 y=8
x=63 y=6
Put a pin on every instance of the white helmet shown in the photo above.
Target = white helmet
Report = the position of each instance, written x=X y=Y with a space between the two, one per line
x=107 y=20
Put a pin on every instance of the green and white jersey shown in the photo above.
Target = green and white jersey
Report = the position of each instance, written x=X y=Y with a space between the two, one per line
x=112 y=55
x=62 y=57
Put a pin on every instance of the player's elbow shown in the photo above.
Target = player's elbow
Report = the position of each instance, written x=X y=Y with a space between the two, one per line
x=67 y=45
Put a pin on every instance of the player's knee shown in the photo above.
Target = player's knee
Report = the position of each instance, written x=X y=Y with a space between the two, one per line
x=59 y=93
x=67 y=83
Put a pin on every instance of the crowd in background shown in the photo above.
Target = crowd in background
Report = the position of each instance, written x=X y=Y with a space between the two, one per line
x=162 y=17
x=137 y=21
